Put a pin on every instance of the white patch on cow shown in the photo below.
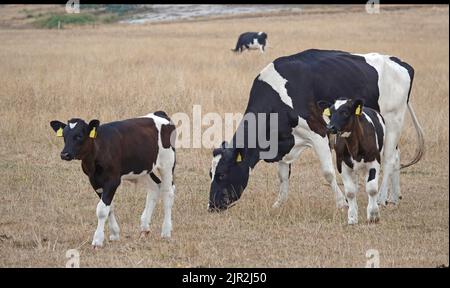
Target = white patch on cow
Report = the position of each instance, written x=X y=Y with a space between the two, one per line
x=254 y=45
x=277 y=82
x=131 y=176
x=371 y=122
x=72 y=125
x=214 y=164
x=339 y=103
x=259 y=33
x=346 y=134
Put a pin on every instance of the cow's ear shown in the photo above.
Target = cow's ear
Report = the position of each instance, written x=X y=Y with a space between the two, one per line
x=324 y=106
x=58 y=127
x=358 y=106
x=93 y=125
x=217 y=151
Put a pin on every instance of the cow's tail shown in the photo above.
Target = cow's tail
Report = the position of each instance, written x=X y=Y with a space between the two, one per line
x=420 y=151
x=236 y=49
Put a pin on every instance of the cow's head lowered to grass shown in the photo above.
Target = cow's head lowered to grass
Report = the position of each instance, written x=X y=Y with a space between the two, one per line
x=77 y=135
x=229 y=177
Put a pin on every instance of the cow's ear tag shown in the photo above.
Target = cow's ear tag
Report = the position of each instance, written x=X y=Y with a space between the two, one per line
x=327 y=112
x=239 y=158
x=59 y=133
x=358 y=110
x=93 y=133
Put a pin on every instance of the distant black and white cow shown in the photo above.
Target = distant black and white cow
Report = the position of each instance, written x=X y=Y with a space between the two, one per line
x=251 y=41
x=133 y=149
x=291 y=86
x=358 y=145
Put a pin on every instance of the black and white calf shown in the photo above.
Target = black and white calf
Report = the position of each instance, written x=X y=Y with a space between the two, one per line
x=135 y=149
x=291 y=86
x=251 y=41
x=358 y=144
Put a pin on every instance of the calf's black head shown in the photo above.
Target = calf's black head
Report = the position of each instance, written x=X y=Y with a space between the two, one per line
x=229 y=177
x=341 y=115
x=77 y=135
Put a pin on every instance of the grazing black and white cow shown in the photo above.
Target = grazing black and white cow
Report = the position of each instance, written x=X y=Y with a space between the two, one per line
x=358 y=145
x=291 y=86
x=133 y=149
x=251 y=41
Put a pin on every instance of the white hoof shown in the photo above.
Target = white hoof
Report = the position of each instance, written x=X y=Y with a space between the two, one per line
x=114 y=237
x=352 y=221
x=276 y=205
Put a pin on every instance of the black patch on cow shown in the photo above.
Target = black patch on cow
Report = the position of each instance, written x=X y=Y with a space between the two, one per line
x=167 y=137
x=314 y=75
x=372 y=172
x=410 y=70
x=155 y=178
x=162 y=114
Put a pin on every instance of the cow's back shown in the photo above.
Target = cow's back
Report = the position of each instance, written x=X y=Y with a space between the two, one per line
x=314 y=75
x=133 y=141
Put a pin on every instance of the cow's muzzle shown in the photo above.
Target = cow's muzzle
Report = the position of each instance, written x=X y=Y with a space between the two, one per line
x=331 y=129
x=66 y=156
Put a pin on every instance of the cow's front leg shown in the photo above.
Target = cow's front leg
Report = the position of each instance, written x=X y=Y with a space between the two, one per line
x=284 y=171
x=103 y=211
x=322 y=149
x=350 y=178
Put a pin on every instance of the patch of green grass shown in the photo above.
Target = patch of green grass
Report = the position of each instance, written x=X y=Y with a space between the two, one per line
x=52 y=21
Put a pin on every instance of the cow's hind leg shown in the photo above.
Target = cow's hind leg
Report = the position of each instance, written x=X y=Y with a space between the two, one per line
x=373 y=212
x=393 y=129
x=114 y=229
x=395 y=184
x=322 y=149
x=284 y=171
x=167 y=188
x=153 y=193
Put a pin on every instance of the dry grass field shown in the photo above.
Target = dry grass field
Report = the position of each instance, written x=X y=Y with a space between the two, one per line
x=121 y=71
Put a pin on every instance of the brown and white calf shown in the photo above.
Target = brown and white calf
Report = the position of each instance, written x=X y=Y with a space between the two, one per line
x=359 y=146
x=133 y=149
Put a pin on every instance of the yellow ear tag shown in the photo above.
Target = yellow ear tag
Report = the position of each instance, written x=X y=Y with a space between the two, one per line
x=327 y=112
x=239 y=158
x=93 y=133
x=358 y=110
x=59 y=132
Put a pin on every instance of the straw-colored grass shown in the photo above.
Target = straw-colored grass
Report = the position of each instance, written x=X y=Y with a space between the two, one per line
x=116 y=72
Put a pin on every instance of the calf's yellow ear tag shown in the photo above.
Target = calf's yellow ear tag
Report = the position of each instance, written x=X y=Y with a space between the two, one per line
x=327 y=112
x=59 y=132
x=93 y=133
x=239 y=158
x=358 y=110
